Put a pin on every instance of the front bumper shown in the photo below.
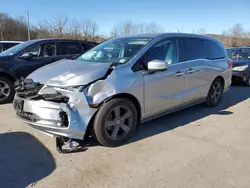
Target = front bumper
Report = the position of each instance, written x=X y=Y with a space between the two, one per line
x=240 y=76
x=58 y=119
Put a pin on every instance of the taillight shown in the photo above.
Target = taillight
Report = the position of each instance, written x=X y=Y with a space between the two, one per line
x=230 y=64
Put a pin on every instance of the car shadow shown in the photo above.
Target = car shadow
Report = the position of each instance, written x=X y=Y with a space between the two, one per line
x=232 y=97
x=23 y=160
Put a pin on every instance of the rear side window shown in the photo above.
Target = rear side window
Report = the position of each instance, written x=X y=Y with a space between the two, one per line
x=87 y=46
x=191 y=49
x=69 y=48
x=216 y=51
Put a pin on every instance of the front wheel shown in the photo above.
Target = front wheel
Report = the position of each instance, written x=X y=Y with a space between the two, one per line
x=7 y=90
x=115 y=122
x=215 y=93
x=247 y=83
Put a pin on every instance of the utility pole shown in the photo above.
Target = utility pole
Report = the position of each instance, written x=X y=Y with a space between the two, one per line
x=28 y=21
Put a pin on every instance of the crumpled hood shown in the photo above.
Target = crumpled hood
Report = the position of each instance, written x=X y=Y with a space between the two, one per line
x=69 y=73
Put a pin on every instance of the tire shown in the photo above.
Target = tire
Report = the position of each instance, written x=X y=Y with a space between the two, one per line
x=210 y=100
x=105 y=122
x=10 y=95
x=247 y=83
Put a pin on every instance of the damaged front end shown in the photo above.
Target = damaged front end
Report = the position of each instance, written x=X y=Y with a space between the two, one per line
x=53 y=110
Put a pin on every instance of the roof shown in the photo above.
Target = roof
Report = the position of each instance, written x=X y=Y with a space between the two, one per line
x=154 y=35
x=239 y=47
x=11 y=41
x=58 y=39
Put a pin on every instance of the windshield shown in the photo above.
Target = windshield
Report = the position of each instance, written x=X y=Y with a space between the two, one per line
x=16 y=48
x=119 y=50
x=239 y=53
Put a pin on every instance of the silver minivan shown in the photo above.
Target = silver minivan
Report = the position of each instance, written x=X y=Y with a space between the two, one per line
x=122 y=82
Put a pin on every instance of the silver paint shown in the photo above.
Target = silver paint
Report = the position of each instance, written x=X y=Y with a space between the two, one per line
x=156 y=93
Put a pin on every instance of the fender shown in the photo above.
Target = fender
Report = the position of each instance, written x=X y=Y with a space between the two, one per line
x=8 y=72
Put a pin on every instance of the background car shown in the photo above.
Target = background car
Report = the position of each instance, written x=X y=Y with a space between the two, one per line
x=4 y=45
x=241 y=64
x=24 y=58
x=122 y=82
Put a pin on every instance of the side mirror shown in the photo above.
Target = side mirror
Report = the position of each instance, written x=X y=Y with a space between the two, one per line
x=157 y=65
x=26 y=56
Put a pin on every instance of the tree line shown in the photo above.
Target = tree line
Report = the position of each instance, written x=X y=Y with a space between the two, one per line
x=86 y=29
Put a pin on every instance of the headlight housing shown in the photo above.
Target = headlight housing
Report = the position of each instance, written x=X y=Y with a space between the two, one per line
x=74 y=88
x=240 y=68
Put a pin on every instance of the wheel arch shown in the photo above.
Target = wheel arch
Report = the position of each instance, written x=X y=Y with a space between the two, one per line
x=120 y=95
x=8 y=75
x=222 y=80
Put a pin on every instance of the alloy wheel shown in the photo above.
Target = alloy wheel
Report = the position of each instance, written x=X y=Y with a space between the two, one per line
x=118 y=122
x=4 y=90
x=216 y=92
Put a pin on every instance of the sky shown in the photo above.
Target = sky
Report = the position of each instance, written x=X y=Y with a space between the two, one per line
x=173 y=15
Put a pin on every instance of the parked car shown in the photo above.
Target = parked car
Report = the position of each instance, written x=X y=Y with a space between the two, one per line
x=241 y=64
x=124 y=81
x=4 y=45
x=24 y=58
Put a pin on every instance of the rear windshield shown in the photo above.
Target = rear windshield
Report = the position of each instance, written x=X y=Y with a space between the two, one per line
x=239 y=53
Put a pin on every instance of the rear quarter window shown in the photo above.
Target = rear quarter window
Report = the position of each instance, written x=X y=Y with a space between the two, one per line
x=87 y=46
x=192 y=48
x=216 y=51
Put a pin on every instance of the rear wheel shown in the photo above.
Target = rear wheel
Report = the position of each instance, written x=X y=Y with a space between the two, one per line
x=7 y=91
x=115 y=122
x=215 y=93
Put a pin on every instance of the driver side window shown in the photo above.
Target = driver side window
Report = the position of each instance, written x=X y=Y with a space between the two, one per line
x=35 y=51
x=43 y=50
x=165 y=50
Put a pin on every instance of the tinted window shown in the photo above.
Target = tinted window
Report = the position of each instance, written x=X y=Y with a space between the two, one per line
x=49 y=49
x=34 y=50
x=69 y=48
x=216 y=51
x=191 y=49
x=43 y=50
x=87 y=46
x=8 y=45
x=1 y=49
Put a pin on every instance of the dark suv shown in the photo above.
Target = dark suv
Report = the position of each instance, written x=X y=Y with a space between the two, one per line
x=22 y=59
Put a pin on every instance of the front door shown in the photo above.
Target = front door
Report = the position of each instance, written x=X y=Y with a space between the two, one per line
x=43 y=54
x=164 y=90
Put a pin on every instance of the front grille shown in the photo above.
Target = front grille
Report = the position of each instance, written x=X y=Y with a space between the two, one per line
x=27 y=88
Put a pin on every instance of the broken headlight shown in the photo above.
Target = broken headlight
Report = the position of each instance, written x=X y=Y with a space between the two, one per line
x=74 y=88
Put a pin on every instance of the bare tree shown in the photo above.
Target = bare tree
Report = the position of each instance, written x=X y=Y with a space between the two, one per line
x=153 y=28
x=201 y=31
x=236 y=32
x=128 y=28
x=89 y=29
x=93 y=30
x=58 y=25
x=124 y=28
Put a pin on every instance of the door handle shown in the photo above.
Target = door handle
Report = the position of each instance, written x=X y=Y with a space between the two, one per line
x=178 y=73
x=190 y=71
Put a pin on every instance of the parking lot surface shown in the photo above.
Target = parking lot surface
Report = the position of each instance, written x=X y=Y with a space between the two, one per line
x=196 y=147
